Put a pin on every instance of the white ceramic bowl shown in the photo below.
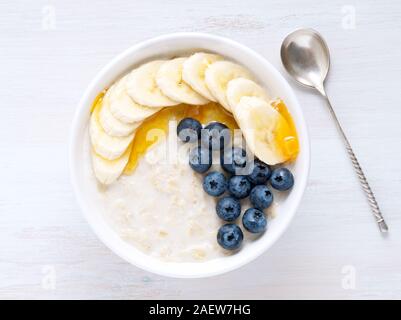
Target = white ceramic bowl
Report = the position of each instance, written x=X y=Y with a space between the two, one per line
x=168 y=46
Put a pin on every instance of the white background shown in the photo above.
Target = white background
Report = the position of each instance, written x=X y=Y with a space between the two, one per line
x=49 y=52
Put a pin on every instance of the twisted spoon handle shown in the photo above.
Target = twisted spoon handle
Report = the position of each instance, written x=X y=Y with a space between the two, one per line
x=362 y=179
x=368 y=191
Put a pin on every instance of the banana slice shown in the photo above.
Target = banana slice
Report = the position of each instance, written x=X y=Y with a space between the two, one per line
x=169 y=80
x=265 y=130
x=193 y=72
x=142 y=87
x=218 y=75
x=107 y=171
x=106 y=146
x=123 y=108
x=241 y=87
x=110 y=124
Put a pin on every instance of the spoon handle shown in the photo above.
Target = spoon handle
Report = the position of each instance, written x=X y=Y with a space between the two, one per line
x=357 y=167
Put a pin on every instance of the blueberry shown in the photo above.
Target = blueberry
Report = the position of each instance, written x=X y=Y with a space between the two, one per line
x=228 y=208
x=230 y=236
x=261 y=197
x=254 y=220
x=200 y=159
x=215 y=136
x=261 y=172
x=189 y=130
x=233 y=160
x=282 y=179
x=215 y=183
x=239 y=186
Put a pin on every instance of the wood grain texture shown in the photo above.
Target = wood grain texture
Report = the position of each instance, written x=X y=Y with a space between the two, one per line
x=44 y=72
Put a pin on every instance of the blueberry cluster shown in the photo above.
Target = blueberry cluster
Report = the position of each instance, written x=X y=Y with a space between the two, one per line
x=252 y=184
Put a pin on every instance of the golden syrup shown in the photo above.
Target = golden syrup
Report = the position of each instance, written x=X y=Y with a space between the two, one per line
x=98 y=100
x=286 y=133
x=204 y=114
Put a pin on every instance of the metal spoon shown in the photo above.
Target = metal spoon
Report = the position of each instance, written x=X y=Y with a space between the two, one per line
x=306 y=58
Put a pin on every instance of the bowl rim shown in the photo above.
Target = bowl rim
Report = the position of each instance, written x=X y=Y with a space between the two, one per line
x=80 y=112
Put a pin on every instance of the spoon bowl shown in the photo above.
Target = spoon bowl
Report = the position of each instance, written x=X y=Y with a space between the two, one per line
x=306 y=57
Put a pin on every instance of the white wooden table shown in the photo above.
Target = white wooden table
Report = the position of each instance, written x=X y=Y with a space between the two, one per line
x=50 y=50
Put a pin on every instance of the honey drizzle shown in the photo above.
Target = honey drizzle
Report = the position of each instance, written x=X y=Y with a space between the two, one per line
x=204 y=114
x=287 y=141
x=98 y=100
